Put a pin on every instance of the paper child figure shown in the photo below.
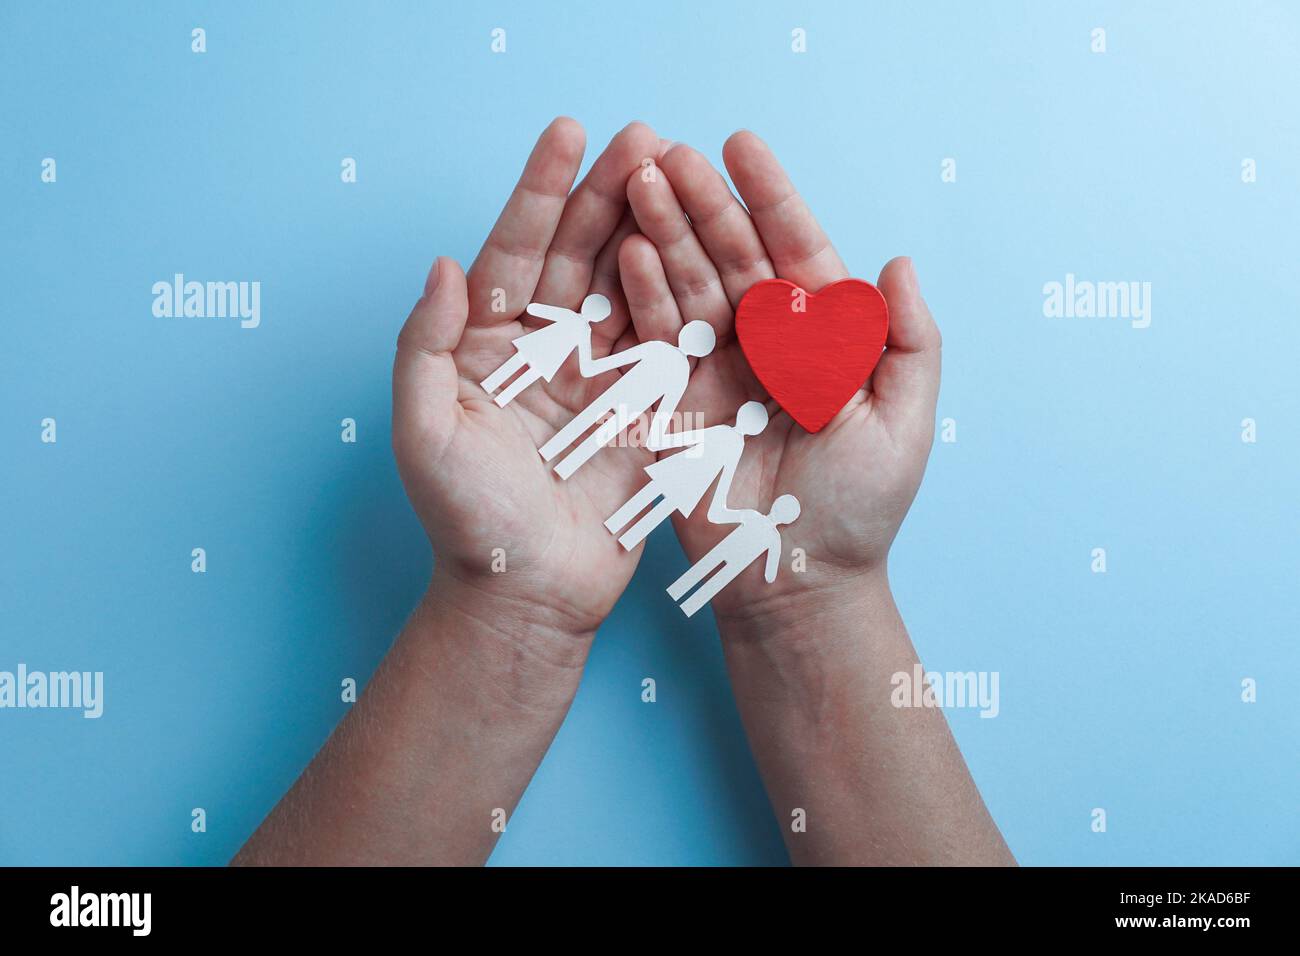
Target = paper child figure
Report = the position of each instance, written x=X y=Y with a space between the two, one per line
x=684 y=478
x=659 y=375
x=757 y=533
x=541 y=352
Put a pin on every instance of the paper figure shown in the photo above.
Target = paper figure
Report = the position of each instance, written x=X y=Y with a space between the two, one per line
x=658 y=375
x=755 y=535
x=541 y=352
x=680 y=481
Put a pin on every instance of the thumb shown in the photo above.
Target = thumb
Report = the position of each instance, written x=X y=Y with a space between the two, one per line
x=906 y=382
x=425 y=381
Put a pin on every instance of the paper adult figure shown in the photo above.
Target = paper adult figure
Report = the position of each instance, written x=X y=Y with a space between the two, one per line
x=682 y=480
x=541 y=352
x=755 y=535
x=658 y=375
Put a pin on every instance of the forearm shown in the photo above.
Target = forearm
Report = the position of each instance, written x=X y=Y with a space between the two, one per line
x=450 y=729
x=878 y=784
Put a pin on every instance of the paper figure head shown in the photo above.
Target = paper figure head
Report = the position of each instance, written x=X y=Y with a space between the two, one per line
x=751 y=418
x=696 y=338
x=785 y=509
x=595 y=308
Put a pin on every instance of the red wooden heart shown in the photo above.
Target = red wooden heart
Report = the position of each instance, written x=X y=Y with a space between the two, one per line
x=812 y=361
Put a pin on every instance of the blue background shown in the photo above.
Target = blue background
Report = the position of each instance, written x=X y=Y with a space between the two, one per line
x=1118 y=690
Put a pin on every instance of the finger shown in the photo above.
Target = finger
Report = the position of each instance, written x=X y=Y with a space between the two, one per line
x=799 y=248
x=650 y=298
x=503 y=277
x=691 y=274
x=425 y=379
x=720 y=221
x=906 y=381
x=590 y=216
x=569 y=387
x=606 y=280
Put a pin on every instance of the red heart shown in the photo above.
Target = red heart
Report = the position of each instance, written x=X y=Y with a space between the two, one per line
x=812 y=361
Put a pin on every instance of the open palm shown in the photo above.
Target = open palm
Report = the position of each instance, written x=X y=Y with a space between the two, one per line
x=497 y=517
x=699 y=251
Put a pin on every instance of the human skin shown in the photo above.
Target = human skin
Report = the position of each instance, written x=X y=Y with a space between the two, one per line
x=459 y=714
x=811 y=655
x=461 y=711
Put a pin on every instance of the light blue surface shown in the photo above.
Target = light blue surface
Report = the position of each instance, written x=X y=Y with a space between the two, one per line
x=1119 y=690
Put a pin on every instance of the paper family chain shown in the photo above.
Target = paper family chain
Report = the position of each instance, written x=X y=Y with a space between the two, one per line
x=655 y=372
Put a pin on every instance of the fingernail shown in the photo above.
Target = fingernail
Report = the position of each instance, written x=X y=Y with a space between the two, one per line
x=911 y=276
x=431 y=281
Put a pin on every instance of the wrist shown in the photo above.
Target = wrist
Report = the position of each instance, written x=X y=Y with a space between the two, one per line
x=525 y=653
x=803 y=606
x=516 y=606
x=808 y=655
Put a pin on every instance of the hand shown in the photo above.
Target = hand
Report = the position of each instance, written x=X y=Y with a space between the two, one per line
x=855 y=478
x=471 y=469
x=810 y=655
x=459 y=714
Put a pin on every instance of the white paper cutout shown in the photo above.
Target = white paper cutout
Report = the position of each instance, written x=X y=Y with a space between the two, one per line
x=755 y=534
x=542 y=351
x=658 y=375
x=681 y=481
